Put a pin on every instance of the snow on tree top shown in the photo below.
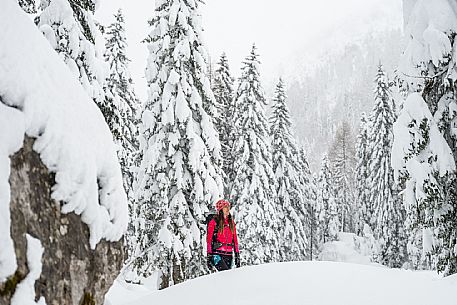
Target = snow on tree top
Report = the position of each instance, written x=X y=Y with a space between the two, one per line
x=428 y=27
x=72 y=137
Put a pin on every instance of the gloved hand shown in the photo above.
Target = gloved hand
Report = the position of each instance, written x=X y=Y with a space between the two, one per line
x=237 y=259
x=209 y=261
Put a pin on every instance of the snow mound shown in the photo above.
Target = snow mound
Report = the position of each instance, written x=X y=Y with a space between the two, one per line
x=323 y=283
x=349 y=248
x=40 y=97
x=122 y=292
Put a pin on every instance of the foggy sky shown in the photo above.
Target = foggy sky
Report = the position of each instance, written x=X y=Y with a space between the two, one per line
x=288 y=33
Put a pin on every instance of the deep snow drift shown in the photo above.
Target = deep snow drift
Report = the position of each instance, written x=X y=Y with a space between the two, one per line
x=312 y=283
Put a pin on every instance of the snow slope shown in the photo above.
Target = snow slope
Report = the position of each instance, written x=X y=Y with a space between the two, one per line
x=313 y=283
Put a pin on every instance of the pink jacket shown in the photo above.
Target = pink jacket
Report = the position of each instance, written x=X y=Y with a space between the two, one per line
x=225 y=237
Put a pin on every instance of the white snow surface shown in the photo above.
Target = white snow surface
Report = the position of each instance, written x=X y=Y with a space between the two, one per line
x=349 y=248
x=40 y=96
x=316 y=283
x=25 y=291
x=122 y=292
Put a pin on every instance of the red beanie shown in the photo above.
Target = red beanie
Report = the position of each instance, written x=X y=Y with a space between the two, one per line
x=221 y=204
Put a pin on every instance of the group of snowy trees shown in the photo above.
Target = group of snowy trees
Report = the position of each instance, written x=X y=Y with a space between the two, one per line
x=377 y=194
x=403 y=183
x=406 y=148
x=200 y=142
x=267 y=177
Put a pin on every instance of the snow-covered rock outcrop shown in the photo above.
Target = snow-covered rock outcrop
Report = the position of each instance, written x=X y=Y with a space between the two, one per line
x=63 y=184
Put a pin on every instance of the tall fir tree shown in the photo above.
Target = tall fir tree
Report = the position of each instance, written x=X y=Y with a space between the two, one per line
x=425 y=146
x=224 y=94
x=389 y=214
x=179 y=178
x=363 y=155
x=70 y=27
x=424 y=168
x=124 y=109
x=253 y=187
x=288 y=168
x=329 y=222
x=308 y=209
x=342 y=159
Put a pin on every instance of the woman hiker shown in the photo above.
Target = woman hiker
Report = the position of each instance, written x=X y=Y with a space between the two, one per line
x=221 y=239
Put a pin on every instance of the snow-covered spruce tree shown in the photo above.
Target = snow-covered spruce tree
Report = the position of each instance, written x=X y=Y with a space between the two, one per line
x=389 y=213
x=179 y=177
x=123 y=120
x=342 y=160
x=425 y=147
x=253 y=187
x=424 y=167
x=71 y=30
x=223 y=92
x=329 y=223
x=308 y=210
x=361 y=176
x=287 y=169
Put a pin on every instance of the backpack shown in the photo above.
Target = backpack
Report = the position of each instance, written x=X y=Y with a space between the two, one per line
x=208 y=220
x=214 y=237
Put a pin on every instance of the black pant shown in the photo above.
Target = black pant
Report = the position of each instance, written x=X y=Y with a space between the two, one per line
x=225 y=263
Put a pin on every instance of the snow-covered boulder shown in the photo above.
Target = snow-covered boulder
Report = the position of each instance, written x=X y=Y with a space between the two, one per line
x=60 y=180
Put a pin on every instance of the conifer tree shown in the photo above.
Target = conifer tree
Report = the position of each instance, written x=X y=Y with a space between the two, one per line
x=179 y=177
x=124 y=103
x=389 y=215
x=362 y=171
x=308 y=209
x=342 y=158
x=253 y=188
x=70 y=27
x=329 y=224
x=123 y=120
x=425 y=149
x=223 y=92
x=424 y=167
x=288 y=169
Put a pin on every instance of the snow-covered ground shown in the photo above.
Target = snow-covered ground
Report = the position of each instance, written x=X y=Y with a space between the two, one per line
x=350 y=248
x=311 y=283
